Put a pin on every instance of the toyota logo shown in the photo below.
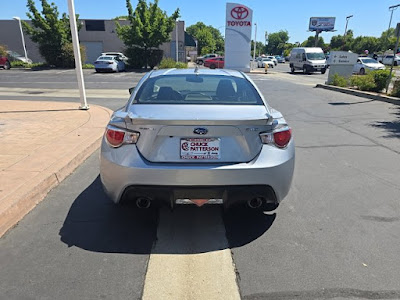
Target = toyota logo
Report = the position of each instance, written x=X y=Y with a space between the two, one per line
x=239 y=12
x=200 y=131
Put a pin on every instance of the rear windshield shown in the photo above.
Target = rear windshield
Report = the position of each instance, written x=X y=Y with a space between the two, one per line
x=197 y=89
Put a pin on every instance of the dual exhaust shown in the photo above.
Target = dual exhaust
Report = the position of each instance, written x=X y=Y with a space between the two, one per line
x=254 y=203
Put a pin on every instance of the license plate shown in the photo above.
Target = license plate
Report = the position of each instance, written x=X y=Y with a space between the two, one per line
x=200 y=148
x=318 y=69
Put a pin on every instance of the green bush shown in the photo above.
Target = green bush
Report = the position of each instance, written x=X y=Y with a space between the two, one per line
x=339 y=80
x=88 y=66
x=168 y=63
x=67 y=55
x=18 y=63
x=363 y=82
x=380 y=79
x=136 y=58
x=396 y=88
x=181 y=65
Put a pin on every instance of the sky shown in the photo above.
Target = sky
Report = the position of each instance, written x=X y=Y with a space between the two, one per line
x=370 y=18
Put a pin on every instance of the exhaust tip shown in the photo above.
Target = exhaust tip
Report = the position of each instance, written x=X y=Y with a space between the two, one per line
x=255 y=202
x=143 y=202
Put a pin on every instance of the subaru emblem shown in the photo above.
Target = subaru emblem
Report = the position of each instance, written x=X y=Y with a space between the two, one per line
x=200 y=131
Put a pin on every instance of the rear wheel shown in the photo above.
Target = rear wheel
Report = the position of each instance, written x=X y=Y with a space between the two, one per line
x=362 y=71
x=213 y=66
x=292 y=69
x=305 y=71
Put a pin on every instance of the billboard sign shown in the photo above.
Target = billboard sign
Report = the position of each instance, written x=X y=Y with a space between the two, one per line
x=322 y=24
x=238 y=37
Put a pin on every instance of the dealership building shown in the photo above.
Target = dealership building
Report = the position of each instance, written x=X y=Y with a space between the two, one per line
x=97 y=36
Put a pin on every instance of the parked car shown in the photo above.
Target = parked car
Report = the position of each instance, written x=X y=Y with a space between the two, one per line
x=365 y=64
x=388 y=59
x=280 y=59
x=5 y=63
x=109 y=63
x=14 y=56
x=263 y=61
x=200 y=60
x=307 y=59
x=120 y=55
x=273 y=59
x=195 y=136
x=215 y=63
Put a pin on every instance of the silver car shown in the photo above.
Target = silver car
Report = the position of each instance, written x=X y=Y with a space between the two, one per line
x=197 y=136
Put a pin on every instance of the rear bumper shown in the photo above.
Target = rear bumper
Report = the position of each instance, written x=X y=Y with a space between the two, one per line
x=123 y=170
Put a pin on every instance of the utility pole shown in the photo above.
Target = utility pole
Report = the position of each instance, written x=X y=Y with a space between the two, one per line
x=347 y=21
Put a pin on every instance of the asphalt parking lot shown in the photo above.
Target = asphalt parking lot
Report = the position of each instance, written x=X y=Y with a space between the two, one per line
x=336 y=235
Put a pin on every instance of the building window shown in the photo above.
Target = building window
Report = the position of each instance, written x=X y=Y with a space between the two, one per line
x=95 y=25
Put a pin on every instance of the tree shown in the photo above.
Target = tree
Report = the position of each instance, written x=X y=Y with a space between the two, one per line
x=149 y=27
x=362 y=43
x=209 y=39
x=277 y=42
x=260 y=48
x=3 y=50
x=53 y=34
x=310 y=42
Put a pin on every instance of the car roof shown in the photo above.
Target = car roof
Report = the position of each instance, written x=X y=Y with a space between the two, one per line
x=221 y=72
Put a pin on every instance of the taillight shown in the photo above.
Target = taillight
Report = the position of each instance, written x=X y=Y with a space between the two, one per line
x=280 y=138
x=116 y=137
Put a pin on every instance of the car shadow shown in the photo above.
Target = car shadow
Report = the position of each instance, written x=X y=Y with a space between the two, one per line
x=243 y=225
x=392 y=127
x=95 y=224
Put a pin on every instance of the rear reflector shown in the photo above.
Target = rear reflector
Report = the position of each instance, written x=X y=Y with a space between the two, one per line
x=282 y=138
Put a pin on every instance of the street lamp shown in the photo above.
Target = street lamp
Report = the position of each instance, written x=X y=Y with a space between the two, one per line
x=392 y=8
x=176 y=39
x=22 y=36
x=347 y=21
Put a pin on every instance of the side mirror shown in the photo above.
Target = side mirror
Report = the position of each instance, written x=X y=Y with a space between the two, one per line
x=131 y=90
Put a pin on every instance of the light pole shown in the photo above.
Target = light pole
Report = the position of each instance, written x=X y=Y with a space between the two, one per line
x=77 y=55
x=176 y=39
x=392 y=8
x=347 y=21
x=255 y=42
x=22 y=37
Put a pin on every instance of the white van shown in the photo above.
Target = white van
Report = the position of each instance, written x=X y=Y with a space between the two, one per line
x=307 y=59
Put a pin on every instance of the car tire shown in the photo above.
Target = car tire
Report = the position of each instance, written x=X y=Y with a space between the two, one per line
x=323 y=71
x=362 y=71
x=292 y=70
x=213 y=66
x=97 y=70
x=7 y=66
x=395 y=63
x=305 y=71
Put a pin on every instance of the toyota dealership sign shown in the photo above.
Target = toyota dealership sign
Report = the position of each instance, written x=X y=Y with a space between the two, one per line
x=238 y=37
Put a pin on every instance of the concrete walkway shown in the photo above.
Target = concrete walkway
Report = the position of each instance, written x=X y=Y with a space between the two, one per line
x=41 y=144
